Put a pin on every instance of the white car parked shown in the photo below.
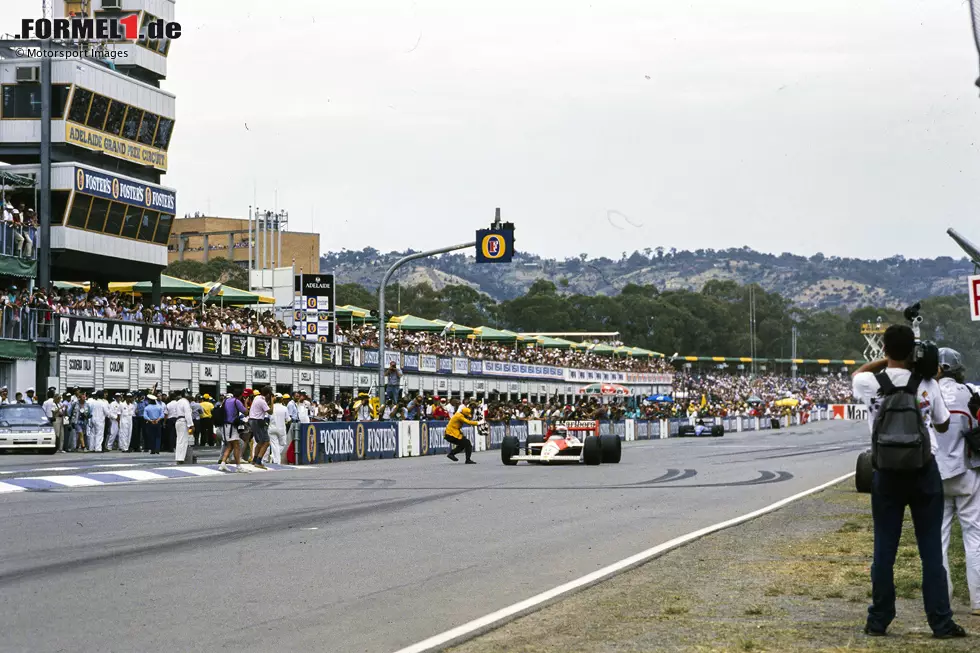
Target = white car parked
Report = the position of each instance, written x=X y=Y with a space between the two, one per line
x=24 y=426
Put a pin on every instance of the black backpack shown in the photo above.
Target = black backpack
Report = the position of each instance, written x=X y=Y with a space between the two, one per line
x=218 y=414
x=899 y=439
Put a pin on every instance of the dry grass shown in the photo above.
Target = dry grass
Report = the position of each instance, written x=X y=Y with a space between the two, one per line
x=796 y=580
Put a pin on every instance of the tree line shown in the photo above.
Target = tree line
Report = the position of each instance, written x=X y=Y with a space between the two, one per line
x=711 y=322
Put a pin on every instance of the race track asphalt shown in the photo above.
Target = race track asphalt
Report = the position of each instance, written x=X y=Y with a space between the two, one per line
x=367 y=556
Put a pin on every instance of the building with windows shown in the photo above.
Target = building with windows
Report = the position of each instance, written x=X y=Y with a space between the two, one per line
x=108 y=141
x=201 y=238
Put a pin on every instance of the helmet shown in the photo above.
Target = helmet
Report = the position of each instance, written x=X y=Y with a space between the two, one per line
x=465 y=411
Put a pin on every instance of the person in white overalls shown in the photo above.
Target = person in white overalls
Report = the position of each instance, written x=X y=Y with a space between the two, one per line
x=95 y=433
x=277 y=430
x=113 y=414
x=960 y=470
x=127 y=410
x=183 y=426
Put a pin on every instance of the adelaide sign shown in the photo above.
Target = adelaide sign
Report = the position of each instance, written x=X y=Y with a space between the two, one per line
x=128 y=335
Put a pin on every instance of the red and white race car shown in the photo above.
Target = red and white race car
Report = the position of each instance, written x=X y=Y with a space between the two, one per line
x=577 y=442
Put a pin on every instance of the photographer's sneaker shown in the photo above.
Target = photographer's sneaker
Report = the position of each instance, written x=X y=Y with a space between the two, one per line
x=222 y=467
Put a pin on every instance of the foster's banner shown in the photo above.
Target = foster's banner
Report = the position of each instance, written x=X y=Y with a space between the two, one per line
x=331 y=442
x=117 y=189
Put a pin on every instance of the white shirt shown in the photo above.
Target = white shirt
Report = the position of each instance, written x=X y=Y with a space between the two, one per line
x=952 y=457
x=98 y=409
x=127 y=410
x=182 y=410
x=170 y=410
x=279 y=415
x=928 y=397
x=450 y=409
x=364 y=412
x=114 y=410
x=48 y=408
x=304 y=411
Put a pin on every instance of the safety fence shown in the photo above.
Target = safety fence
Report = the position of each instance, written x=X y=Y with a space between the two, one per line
x=18 y=240
x=22 y=323
x=329 y=442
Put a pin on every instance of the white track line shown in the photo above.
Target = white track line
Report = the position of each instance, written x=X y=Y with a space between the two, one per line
x=69 y=481
x=502 y=616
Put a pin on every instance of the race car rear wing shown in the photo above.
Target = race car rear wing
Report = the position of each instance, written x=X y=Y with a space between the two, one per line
x=589 y=426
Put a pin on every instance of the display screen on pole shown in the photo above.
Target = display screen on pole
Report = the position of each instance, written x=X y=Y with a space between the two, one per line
x=494 y=245
x=313 y=309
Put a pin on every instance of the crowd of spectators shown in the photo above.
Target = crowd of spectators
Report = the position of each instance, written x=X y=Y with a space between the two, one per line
x=173 y=312
x=447 y=345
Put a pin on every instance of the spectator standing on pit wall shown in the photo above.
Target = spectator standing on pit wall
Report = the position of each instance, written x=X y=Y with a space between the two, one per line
x=921 y=490
x=393 y=379
x=959 y=469
x=258 y=413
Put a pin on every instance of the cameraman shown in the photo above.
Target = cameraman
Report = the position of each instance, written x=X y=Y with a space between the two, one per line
x=921 y=490
x=959 y=469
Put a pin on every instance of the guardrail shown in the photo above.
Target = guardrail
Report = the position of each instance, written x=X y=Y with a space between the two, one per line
x=33 y=324
x=16 y=239
x=330 y=442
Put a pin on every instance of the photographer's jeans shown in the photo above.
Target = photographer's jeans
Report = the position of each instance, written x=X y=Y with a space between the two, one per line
x=922 y=492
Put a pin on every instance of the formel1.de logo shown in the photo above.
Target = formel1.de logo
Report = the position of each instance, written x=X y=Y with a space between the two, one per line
x=82 y=28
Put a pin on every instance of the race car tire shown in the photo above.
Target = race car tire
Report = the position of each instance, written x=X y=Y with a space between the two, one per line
x=612 y=448
x=864 y=473
x=591 y=451
x=685 y=431
x=530 y=440
x=509 y=448
x=717 y=430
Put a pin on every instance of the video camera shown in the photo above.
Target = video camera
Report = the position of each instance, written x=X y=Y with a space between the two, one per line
x=925 y=358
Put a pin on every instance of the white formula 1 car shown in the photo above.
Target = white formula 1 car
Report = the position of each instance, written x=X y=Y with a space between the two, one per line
x=562 y=445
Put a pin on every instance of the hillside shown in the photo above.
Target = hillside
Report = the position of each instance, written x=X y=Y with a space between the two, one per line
x=816 y=282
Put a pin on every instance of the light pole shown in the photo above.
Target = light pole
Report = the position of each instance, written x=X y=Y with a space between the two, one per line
x=381 y=302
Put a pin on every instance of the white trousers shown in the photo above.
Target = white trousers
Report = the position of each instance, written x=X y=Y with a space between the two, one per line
x=95 y=434
x=113 y=433
x=182 y=438
x=277 y=442
x=125 y=432
x=963 y=499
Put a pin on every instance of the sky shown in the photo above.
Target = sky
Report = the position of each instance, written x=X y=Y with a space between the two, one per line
x=848 y=127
